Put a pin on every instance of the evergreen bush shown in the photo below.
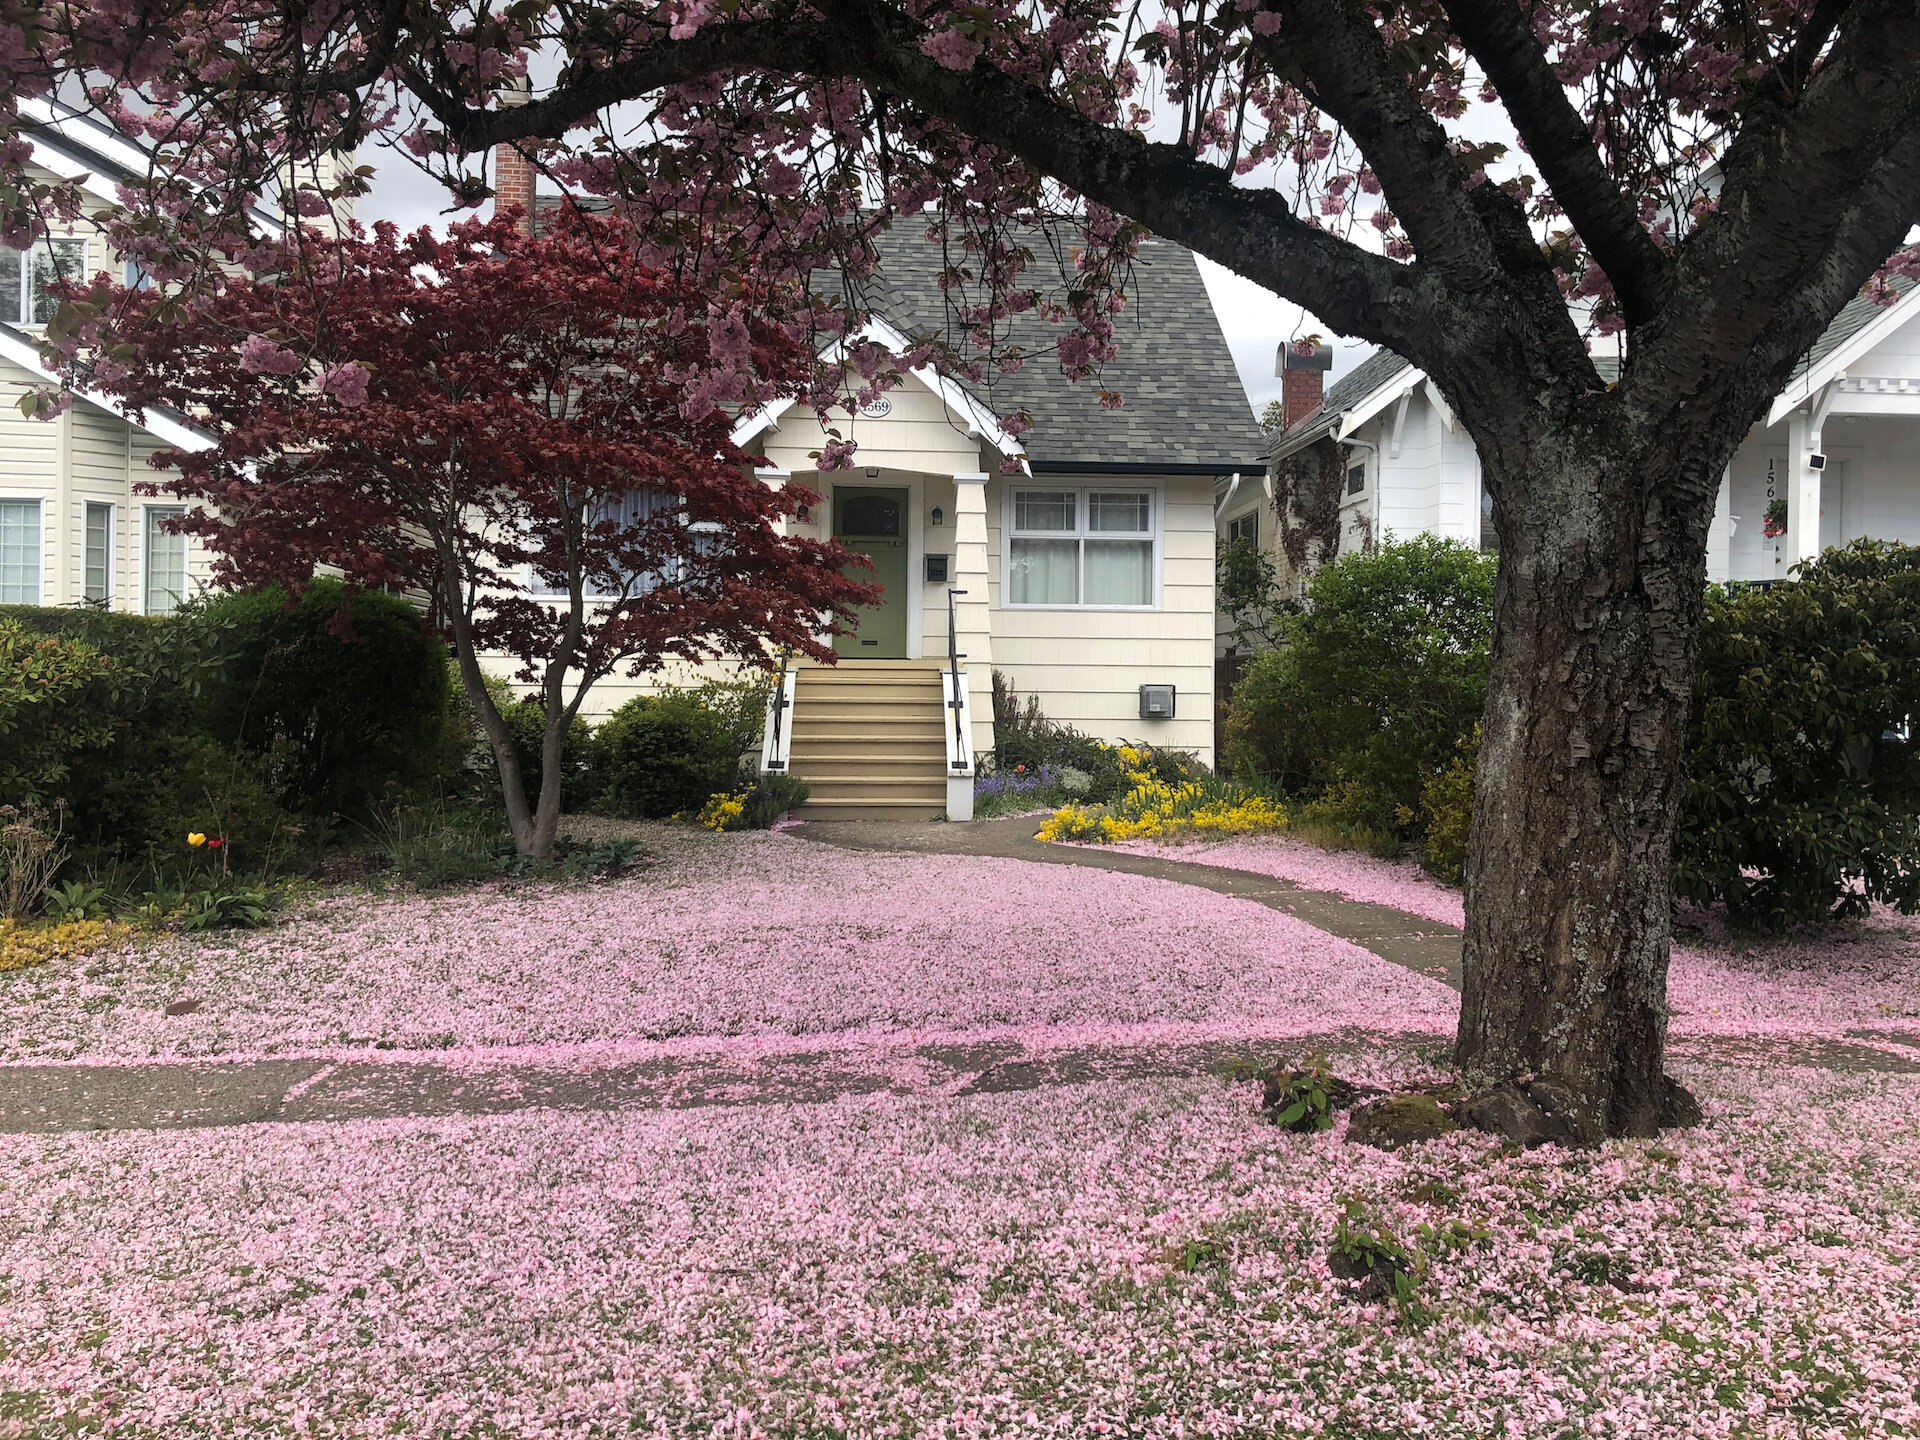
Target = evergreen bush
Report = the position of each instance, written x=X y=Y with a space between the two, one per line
x=344 y=694
x=669 y=753
x=1804 y=794
x=1380 y=675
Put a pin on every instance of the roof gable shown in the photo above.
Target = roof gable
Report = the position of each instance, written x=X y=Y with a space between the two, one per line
x=1182 y=408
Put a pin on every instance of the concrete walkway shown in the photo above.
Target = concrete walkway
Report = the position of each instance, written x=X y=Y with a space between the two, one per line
x=44 y=1099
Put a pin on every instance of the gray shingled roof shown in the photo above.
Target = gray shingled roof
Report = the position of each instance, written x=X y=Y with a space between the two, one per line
x=1183 y=406
x=1851 y=320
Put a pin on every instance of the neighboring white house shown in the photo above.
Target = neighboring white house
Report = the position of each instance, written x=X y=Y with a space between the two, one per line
x=72 y=528
x=1840 y=447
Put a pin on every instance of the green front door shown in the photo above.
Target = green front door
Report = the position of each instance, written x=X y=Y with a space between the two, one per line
x=874 y=523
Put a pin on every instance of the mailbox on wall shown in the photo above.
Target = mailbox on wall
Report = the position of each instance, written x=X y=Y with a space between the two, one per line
x=936 y=569
x=1156 y=702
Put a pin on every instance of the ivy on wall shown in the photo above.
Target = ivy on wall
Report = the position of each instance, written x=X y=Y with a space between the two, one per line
x=1307 y=488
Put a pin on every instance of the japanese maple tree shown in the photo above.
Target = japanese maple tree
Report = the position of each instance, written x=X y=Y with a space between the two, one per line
x=496 y=421
x=1708 y=180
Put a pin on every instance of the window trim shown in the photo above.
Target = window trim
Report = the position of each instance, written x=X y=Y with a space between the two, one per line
x=146 y=558
x=87 y=508
x=1155 y=534
x=1250 y=517
x=39 y=503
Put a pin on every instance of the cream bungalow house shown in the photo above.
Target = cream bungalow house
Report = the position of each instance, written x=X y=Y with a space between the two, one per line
x=1076 y=559
x=1836 y=458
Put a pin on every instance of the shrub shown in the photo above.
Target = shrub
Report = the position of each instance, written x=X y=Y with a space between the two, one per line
x=1381 y=674
x=344 y=693
x=670 y=752
x=25 y=945
x=581 y=778
x=1026 y=742
x=30 y=853
x=753 y=807
x=1446 y=805
x=1804 y=799
x=52 y=707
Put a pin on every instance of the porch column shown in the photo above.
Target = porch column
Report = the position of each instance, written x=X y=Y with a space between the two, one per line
x=973 y=627
x=1803 y=490
x=1720 y=533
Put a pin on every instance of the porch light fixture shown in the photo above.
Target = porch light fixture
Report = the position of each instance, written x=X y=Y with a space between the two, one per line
x=939 y=517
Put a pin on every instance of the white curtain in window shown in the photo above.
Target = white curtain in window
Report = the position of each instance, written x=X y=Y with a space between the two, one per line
x=1130 y=511
x=98 y=576
x=165 y=554
x=19 y=552
x=1119 y=572
x=1043 y=572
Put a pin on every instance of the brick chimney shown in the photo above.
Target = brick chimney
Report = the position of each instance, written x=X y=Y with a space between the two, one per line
x=1303 y=380
x=513 y=173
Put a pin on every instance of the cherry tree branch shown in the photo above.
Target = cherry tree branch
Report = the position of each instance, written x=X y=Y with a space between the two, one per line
x=1353 y=77
x=1814 y=197
x=1497 y=35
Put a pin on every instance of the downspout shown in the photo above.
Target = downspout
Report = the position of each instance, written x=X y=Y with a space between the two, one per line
x=1227 y=501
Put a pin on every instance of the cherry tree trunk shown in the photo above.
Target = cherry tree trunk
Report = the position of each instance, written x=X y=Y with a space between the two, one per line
x=1570 y=870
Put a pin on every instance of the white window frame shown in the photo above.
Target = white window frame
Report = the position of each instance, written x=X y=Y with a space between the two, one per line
x=1080 y=487
x=1236 y=528
x=113 y=526
x=24 y=298
x=39 y=504
x=146 y=558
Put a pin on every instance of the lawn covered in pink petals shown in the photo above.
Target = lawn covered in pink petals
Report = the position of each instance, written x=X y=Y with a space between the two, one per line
x=1145 y=1259
x=728 y=936
x=1858 y=975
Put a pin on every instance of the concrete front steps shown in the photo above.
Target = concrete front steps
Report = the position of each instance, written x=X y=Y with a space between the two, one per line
x=868 y=740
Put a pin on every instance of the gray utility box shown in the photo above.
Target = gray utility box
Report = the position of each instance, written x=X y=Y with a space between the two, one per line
x=1156 y=702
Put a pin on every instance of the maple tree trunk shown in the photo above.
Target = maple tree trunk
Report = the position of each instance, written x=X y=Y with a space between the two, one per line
x=1581 y=769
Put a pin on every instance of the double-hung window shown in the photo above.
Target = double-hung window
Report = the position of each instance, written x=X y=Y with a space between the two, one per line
x=97 y=569
x=19 y=552
x=1082 y=547
x=25 y=277
x=164 y=558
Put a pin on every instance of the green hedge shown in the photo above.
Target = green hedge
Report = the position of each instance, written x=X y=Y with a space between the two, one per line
x=667 y=754
x=1380 y=676
x=344 y=694
x=1804 y=796
x=239 y=716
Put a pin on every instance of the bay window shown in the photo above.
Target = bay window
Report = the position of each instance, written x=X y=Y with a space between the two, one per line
x=1092 y=547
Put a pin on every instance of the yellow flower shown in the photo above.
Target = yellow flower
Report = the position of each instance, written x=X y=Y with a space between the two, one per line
x=194 y=837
